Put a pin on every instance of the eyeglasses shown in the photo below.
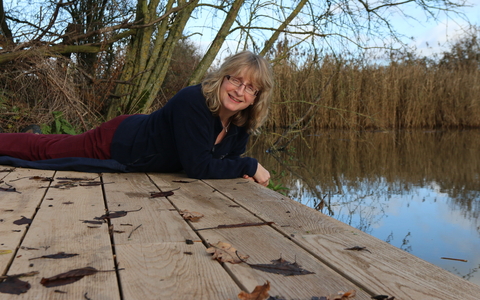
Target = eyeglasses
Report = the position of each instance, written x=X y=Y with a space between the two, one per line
x=249 y=89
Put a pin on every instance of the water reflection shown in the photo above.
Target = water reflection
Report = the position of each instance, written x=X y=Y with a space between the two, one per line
x=417 y=190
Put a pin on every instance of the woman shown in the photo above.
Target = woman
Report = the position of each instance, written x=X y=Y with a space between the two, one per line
x=202 y=130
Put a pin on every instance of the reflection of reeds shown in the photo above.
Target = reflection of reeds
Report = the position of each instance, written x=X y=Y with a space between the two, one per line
x=400 y=95
x=331 y=159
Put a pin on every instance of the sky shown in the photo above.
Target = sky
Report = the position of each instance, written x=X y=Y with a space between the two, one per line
x=426 y=35
x=434 y=37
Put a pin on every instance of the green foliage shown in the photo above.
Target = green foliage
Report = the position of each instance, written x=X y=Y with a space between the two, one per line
x=276 y=185
x=59 y=125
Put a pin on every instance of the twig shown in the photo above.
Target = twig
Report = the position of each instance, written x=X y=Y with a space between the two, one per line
x=456 y=259
x=134 y=230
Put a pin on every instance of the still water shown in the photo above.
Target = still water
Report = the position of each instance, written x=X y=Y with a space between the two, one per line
x=417 y=190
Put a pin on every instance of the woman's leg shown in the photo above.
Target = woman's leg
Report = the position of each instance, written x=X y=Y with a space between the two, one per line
x=94 y=143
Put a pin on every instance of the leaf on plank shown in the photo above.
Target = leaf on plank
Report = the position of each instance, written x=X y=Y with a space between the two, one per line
x=259 y=293
x=191 y=215
x=358 y=248
x=162 y=194
x=383 y=297
x=13 y=285
x=116 y=214
x=225 y=252
x=5 y=252
x=283 y=267
x=22 y=221
x=41 y=178
x=68 y=277
x=343 y=295
x=92 y=222
x=183 y=181
x=58 y=255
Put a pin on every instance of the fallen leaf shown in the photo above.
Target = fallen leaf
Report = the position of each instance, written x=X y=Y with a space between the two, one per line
x=191 y=215
x=225 y=252
x=22 y=221
x=13 y=285
x=383 y=297
x=283 y=267
x=358 y=248
x=116 y=214
x=56 y=256
x=183 y=181
x=68 y=277
x=5 y=252
x=259 y=293
x=343 y=295
x=41 y=178
x=161 y=194
x=92 y=222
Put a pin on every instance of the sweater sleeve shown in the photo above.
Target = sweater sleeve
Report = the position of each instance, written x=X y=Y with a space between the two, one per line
x=193 y=126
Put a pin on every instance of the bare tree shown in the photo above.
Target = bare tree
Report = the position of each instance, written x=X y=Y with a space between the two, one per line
x=146 y=32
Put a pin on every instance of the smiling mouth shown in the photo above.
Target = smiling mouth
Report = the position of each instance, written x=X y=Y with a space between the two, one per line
x=235 y=99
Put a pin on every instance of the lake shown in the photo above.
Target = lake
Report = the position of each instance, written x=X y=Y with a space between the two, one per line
x=417 y=190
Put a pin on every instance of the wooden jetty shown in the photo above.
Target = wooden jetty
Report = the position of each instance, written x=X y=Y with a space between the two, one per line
x=131 y=225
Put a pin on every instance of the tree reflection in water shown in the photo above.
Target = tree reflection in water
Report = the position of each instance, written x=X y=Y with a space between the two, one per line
x=417 y=190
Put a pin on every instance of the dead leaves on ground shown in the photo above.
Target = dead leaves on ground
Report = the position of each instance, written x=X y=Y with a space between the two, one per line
x=59 y=255
x=13 y=285
x=191 y=215
x=224 y=252
x=283 y=267
x=116 y=214
x=68 y=277
x=259 y=293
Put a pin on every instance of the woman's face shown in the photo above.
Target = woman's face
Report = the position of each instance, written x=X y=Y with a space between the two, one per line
x=236 y=93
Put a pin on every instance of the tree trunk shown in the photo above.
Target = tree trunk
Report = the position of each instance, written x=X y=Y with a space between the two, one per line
x=217 y=43
x=146 y=61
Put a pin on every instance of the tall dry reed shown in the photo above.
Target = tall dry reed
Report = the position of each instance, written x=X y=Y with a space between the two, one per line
x=399 y=95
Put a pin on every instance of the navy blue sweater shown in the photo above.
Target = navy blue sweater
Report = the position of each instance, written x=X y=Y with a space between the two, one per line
x=181 y=135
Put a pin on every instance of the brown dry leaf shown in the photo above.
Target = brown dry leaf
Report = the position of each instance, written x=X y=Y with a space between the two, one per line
x=22 y=221
x=259 y=293
x=58 y=255
x=343 y=295
x=68 y=277
x=191 y=215
x=283 y=267
x=15 y=286
x=225 y=252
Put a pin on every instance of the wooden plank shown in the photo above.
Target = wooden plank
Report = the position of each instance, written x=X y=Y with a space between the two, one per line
x=385 y=270
x=158 y=219
x=57 y=227
x=156 y=266
x=172 y=270
x=262 y=243
x=14 y=205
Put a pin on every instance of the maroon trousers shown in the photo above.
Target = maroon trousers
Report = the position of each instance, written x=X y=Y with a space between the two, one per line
x=94 y=143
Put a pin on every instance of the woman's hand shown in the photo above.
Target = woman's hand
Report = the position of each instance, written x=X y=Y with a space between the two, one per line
x=262 y=176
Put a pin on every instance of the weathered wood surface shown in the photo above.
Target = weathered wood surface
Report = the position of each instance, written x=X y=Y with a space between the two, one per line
x=155 y=254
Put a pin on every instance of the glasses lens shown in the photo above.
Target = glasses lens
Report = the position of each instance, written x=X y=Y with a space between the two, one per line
x=248 y=88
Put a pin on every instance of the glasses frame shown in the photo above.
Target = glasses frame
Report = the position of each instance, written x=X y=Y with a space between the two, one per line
x=238 y=83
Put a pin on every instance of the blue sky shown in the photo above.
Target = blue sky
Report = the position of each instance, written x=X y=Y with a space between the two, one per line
x=429 y=36
x=434 y=36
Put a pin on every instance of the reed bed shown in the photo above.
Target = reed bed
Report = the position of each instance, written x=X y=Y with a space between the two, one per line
x=349 y=95
x=324 y=93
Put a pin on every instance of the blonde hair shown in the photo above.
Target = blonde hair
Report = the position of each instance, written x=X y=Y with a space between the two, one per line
x=259 y=72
